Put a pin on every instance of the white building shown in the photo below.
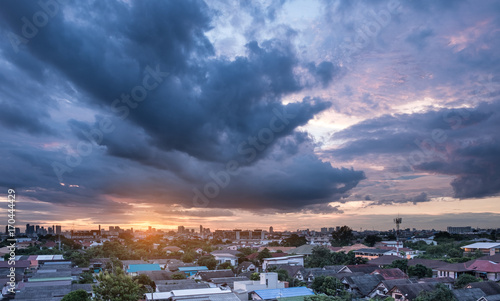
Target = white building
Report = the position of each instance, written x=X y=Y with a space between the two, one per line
x=267 y=281
x=287 y=260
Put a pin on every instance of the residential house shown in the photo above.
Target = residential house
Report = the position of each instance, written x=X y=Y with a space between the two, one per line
x=192 y=294
x=294 y=271
x=428 y=263
x=408 y=292
x=305 y=250
x=227 y=282
x=385 y=286
x=480 y=268
x=488 y=248
x=276 y=249
x=247 y=266
x=284 y=260
x=385 y=260
x=490 y=298
x=191 y=271
x=488 y=287
x=361 y=286
x=172 y=249
x=207 y=275
x=222 y=256
x=390 y=274
x=134 y=269
x=267 y=281
x=181 y=284
x=468 y=294
x=363 y=268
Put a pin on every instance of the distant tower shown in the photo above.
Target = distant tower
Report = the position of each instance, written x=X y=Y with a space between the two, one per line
x=271 y=229
x=398 y=220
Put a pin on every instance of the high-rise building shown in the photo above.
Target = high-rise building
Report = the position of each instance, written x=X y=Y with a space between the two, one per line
x=58 y=230
x=459 y=230
x=180 y=229
x=271 y=229
x=324 y=230
x=201 y=229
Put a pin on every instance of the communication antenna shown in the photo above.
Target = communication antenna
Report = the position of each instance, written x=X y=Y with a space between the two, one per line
x=398 y=220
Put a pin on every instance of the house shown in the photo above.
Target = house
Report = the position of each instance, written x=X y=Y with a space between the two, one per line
x=390 y=274
x=385 y=286
x=490 y=298
x=488 y=248
x=206 y=275
x=190 y=271
x=273 y=294
x=408 y=292
x=312 y=273
x=446 y=281
x=285 y=260
x=222 y=256
x=157 y=275
x=362 y=285
x=488 y=287
x=227 y=282
x=484 y=269
x=305 y=250
x=468 y=294
x=370 y=253
x=181 y=284
x=276 y=249
x=190 y=294
x=267 y=281
x=247 y=266
x=295 y=271
x=453 y=270
x=134 y=269
x=383 y=261
x=172 y=249
x=362 y=268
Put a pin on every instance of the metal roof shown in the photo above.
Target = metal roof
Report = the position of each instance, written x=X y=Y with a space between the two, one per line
x=133 y=268
x=268 y=294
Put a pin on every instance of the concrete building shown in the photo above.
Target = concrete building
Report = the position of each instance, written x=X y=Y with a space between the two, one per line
x=285 y=260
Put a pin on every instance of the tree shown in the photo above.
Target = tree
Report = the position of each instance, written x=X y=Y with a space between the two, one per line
x=320 y=257
x=264 y=254
x=294 y=241
x=440 y=293
x=178 y=276
x=225 y=266
x=86 y=277
x=401 y=264
x=208 y=261
x=78 y=295
x=188 y=257
x=419 y=271
x=144 y=280
x=255 y=276
x=465 y=279
x=371 y=240
x=116 y=287
x=327 y=285
x=342 y=237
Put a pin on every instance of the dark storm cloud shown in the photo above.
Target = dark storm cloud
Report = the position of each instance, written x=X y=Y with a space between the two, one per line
x=191 y=123
x=463 y=142
x=421 y=198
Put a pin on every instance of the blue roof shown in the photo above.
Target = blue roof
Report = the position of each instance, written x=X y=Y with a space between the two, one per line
x=186 y=269
x=284 y=292
x=133 y=268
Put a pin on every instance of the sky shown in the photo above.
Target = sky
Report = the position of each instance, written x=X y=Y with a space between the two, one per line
x=250 y=114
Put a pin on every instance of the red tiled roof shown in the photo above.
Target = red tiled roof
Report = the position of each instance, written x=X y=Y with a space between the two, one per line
x=484 y=266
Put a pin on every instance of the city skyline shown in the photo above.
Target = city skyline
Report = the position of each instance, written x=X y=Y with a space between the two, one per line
x=295 y=114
